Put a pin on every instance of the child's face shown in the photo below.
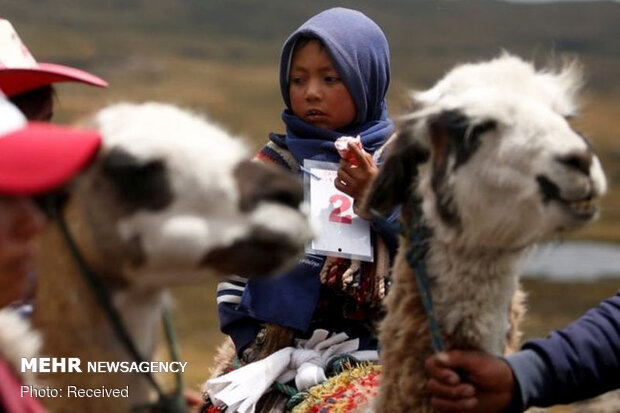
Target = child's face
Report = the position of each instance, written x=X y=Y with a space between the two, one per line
x=20 y=222
x=317 y=93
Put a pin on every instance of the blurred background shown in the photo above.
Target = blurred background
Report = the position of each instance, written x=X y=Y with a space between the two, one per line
x=220 y=58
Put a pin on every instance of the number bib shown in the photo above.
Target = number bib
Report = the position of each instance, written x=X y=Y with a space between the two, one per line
x=342 y=232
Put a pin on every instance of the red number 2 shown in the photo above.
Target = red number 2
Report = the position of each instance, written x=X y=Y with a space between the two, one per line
x=345 y=204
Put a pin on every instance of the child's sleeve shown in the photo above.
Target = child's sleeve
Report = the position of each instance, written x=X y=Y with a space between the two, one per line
x=235 y=322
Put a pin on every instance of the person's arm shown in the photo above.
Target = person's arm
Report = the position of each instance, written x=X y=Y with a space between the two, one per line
x=578 y=362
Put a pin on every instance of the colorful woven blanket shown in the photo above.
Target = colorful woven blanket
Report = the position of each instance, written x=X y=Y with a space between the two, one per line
x=353 y=390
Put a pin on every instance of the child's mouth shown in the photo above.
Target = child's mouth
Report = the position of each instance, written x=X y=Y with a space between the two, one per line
x=314 y=116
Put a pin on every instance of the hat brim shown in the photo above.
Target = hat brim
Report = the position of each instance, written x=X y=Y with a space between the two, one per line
x=41 y=157
x=18 y=80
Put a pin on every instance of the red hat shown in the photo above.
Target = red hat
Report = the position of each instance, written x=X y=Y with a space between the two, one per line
x=38 y=157
x=19 y=72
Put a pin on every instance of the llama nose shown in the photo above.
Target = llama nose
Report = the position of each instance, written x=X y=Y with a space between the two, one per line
x=579 y=161
x=258 y=182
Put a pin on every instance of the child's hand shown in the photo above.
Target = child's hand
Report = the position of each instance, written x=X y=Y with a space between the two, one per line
x=342 y=146
x=353 y=180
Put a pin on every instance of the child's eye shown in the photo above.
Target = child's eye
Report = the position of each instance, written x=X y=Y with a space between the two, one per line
x=297 y=80
x=332 y=79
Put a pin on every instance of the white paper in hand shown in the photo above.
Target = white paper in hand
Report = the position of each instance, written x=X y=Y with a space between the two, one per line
x=343 y=233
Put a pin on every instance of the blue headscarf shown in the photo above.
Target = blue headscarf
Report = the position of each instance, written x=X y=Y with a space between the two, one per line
x=359 y=52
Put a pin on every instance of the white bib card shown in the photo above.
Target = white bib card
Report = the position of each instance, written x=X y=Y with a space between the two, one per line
x=343 y=233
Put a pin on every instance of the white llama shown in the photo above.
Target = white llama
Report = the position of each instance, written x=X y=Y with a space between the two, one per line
x=169 y=198
x=490 y=165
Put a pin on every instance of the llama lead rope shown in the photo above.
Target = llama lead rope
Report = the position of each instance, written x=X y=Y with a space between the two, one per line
x=416 y=258
x=174 y=403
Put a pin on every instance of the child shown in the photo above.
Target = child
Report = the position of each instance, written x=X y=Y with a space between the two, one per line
x=334 y=75
x=28 y=84
x=58 y=154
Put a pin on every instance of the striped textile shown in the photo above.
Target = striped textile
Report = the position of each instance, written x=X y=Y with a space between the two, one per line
x=272 y=153
x=230 y=289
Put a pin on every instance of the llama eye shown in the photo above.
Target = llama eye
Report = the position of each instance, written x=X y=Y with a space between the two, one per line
x=484 y=127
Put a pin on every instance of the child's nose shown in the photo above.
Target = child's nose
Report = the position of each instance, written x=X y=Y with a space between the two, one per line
x=313 y=91
x=28 y=219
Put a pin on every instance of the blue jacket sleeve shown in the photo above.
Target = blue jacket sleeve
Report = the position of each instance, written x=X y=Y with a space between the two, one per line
x=234 y=322
x=576 y=363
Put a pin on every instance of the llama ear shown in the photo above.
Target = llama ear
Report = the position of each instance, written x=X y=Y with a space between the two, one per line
x=259 y=182
x=453 y=134
x=140 y=184
x=446 y=133
x=454 y=139
x=570 y=79
x=393 y=184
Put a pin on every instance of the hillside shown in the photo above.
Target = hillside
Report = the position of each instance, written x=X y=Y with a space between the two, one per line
x=425 y=36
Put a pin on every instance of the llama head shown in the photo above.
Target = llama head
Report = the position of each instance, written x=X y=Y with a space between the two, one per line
x=171 y=195
x=492 y=157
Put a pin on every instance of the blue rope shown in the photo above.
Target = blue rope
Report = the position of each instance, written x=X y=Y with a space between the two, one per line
x=416 y=258
x=416 y=255
x=165 y=403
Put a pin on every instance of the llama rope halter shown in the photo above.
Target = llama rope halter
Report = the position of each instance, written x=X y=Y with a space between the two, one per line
x=167 y=403
x=419 y=235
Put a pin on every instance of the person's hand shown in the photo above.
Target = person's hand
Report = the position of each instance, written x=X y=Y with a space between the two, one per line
x=354 y=179
x=469 y=381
